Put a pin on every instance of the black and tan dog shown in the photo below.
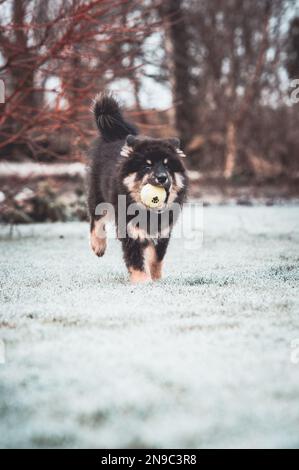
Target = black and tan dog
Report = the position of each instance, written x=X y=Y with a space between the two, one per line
x=121 y=164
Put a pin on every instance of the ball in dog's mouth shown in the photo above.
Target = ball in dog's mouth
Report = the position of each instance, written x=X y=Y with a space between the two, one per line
x=153 y=196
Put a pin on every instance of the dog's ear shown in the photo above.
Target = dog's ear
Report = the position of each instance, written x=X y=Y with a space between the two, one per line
x=128 y=148
x=131 y=140
x=175 y=142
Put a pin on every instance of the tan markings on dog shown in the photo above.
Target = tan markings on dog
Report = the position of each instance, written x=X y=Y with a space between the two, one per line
x=134 y=186
x=136 y=232
x=179 y=180
x=180 y=153
x=137 y=276
x=173 y=192
x=156 y=270
x=98 y=240
x=129 y=181
x=149 y=256
x=126 y=151
x=152 y=265
x=176 y=186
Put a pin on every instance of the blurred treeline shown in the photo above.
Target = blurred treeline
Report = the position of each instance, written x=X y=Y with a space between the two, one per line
x=228 y=64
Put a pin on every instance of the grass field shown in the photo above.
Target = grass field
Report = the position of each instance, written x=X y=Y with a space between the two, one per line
x=200 y=359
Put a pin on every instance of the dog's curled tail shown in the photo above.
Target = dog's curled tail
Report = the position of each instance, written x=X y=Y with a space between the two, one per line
x=109 y=119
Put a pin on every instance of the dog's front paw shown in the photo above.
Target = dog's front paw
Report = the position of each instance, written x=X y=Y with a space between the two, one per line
x=98 y=245
x=137 y=277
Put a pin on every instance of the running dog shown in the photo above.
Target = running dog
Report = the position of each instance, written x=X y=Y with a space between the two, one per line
x=122 y=162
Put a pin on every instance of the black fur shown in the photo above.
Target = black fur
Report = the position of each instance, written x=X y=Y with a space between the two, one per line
x=109 y=169
x=109 y=119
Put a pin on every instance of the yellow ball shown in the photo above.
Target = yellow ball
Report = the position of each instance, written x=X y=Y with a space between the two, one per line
x=153 y=196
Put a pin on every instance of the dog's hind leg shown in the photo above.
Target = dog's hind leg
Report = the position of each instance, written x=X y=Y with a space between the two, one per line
x=98 y=238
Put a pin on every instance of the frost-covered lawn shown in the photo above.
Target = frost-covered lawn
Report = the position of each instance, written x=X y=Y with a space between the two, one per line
x=201 y=359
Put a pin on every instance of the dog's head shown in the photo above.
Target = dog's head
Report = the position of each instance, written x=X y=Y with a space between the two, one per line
x=154 y=161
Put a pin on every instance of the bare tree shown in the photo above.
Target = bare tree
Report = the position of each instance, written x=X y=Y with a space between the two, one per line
x=179 y=63
x=56 y=56
x=227 y=59
x=292 y=62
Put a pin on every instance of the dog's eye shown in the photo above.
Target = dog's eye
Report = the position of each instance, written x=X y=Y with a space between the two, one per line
x=149 y=162
x=165 y=161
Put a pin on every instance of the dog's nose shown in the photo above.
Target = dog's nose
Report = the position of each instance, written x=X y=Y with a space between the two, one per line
x=162 y=179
